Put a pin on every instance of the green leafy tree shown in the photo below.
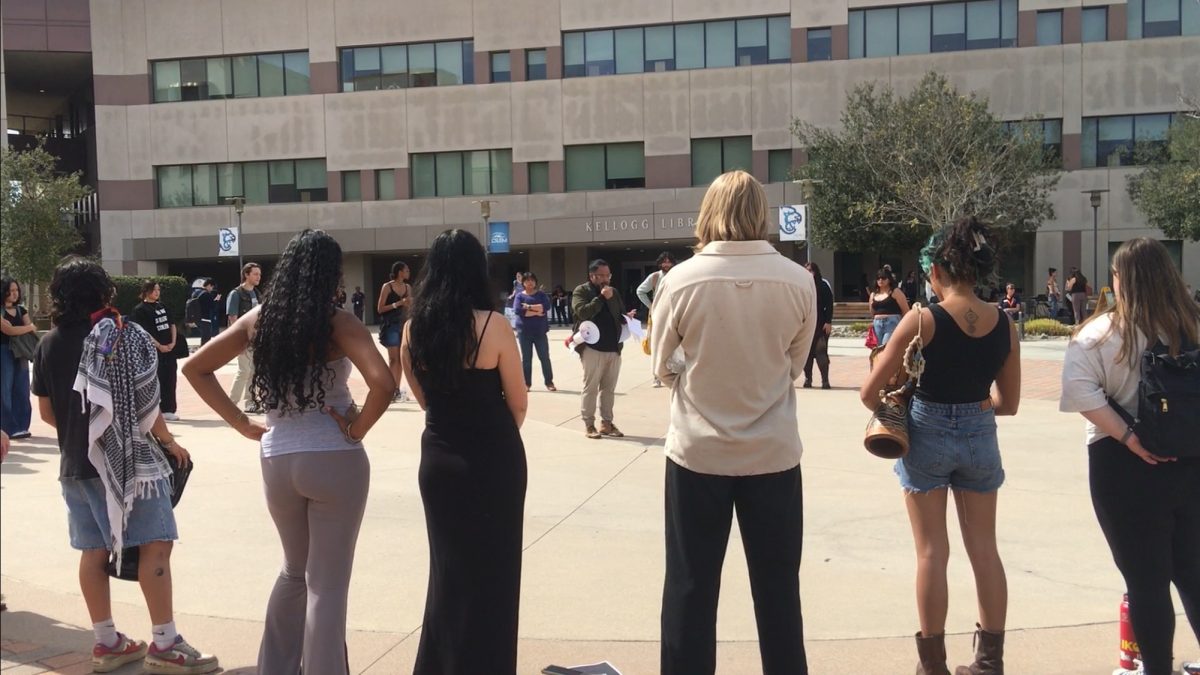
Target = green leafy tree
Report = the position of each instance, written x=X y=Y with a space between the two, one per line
x=1168 y=191
x=37 y=227
x=900 y=166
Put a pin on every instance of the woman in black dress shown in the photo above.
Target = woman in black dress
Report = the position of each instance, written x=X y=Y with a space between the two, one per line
x=462 y=363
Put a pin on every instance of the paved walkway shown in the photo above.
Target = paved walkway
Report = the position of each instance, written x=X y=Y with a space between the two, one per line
x=593 y=564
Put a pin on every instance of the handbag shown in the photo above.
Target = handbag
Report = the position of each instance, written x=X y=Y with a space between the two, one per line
x=872 y=340
x=129 y=556
x=887 y=430
x=24 y=346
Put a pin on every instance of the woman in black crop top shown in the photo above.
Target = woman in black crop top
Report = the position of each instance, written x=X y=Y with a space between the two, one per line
x=888 y=304
x=969 y=344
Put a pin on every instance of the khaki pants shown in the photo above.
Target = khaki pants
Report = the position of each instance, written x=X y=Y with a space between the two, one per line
x=600 y=372
x=241 y=382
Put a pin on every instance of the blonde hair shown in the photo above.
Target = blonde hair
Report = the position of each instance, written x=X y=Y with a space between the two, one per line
x=734 y=209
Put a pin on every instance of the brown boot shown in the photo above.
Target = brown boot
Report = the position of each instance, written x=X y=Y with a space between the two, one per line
x=610 y=429
x=989 y=654
x=932 y=653
x=591 y=432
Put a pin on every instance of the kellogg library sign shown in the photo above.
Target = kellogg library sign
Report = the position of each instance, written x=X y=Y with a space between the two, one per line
x=668 y=225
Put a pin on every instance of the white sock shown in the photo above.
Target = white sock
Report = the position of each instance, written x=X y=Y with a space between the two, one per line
x=106 y=632
x=164 y=635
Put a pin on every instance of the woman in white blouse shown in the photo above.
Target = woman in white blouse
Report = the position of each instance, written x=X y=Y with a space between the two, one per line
x=1147 y=505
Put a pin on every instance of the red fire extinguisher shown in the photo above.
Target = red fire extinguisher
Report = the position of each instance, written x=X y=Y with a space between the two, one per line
x=1129 y=645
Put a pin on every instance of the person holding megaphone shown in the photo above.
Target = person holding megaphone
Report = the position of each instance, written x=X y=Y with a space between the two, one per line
x=598 y=302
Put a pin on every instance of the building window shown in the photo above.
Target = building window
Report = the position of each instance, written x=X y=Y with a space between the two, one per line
x=820 y=44
x=351 y=186
x=255 y=75
x=535 y=64
x=1124 y=140
x=605 y=167
x=385 y=184
x=779 y=166
x=922 y=29
x=425 y=64
x=1162 y=18
x=282 y=182
x=1095 y=24
x=455 y=174
x=712 y=44
x=539 y=177
x=501 y=67
x=1051 y=133
x=1049 y=27
x=712 y=157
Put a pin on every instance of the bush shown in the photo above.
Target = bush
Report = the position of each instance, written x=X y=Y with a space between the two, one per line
x=175 y=294
x=1046 y=327
x=860 y=326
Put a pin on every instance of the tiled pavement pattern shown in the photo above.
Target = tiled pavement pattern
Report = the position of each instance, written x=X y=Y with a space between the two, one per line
x=24 y=658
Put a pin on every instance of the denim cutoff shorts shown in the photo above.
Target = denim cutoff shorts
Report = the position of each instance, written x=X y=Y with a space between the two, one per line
x=884 y=327
x=389 y=336
x=152 y=518
x=951 y=445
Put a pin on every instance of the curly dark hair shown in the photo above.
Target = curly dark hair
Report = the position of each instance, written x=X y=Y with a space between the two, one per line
x=80 y=287
x=966 y=252
x=295 y=325
x=453 y=284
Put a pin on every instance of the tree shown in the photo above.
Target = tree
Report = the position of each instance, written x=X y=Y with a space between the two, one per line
x=901 y=166
x=36 y=216
x=1168 y=191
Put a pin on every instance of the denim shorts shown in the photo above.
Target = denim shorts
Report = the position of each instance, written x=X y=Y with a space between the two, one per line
x=951 y=445
x=884 y=327
x=152 y=518
x=389 y=335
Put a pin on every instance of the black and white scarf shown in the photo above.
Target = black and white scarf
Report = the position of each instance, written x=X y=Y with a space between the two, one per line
x=118 y=376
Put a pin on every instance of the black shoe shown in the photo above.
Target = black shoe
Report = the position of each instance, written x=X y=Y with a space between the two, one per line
x=825 y=385
x=20 y=434
x=808 y=384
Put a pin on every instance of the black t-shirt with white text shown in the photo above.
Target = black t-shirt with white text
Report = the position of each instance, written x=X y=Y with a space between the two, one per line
x=55 y=365
x=152 y=316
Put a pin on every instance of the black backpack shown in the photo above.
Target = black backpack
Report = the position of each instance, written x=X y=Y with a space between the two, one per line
x=1168 y=414
x=191 y=311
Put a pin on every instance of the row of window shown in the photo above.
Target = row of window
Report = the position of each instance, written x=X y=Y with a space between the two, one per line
x=279 y=182
x=284 y=74
x=1162 y=18
x=535 y=65
x=1106 y=141
x=1094 y=26
x=684 y=46
x=425 y=64
x=924 y=29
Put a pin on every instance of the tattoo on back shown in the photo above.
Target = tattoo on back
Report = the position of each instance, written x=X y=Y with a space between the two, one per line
x=972 y=317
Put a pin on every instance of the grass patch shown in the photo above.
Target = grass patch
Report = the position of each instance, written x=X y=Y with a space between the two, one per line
x=1046 y=327
x=860 y=326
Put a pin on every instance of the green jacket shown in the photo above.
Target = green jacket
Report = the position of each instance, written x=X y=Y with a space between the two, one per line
x=586 y=303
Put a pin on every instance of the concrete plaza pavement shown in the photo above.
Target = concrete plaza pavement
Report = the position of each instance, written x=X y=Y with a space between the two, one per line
x=593 y=563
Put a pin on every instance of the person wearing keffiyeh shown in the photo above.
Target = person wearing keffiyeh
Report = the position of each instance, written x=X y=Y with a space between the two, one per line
x=95 y=376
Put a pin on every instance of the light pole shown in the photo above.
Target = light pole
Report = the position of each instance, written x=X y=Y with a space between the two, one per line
x=239 y=206
x=806 y=192
x=485 y=214
x=1095 y=202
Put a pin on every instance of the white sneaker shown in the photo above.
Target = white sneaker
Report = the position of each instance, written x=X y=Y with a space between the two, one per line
x=1190 y=668
x=171 y=417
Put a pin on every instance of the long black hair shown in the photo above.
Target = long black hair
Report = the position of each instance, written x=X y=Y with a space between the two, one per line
x=295 y=324
x=80 y=287
x=5 y=284
x=454 y=283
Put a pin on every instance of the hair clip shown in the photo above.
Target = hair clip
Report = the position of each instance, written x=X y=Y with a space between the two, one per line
x=980 y=242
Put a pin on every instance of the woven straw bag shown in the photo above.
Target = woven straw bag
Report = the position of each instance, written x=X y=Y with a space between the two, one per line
x=887 y=430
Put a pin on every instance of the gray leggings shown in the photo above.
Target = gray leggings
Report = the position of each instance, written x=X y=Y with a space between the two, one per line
x=317 y=501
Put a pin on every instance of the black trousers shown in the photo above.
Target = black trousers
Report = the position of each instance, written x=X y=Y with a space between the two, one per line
x=1150 y=515
x=819 y=352
x=699 y=509
x=167 y=376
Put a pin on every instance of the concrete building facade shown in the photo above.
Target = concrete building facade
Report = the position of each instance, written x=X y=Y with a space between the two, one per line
x=410 y=112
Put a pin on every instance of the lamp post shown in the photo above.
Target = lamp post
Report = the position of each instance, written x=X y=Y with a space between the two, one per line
x=239 y=206
x=806 y=192
x=485 y=214
x=1095 y=202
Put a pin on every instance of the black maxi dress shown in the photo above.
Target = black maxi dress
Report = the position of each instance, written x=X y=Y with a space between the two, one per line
x=472 y=480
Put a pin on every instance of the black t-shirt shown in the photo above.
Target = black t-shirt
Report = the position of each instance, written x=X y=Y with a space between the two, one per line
x=55 y=365
x=610 y=335
x=13 y=320
x=152 y=316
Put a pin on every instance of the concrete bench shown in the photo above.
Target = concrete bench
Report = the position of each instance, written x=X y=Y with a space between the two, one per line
x=846 y=312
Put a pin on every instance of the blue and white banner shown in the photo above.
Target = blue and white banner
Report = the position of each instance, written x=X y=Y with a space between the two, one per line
x=793 y=223
x=497 y=236
x=228 y=242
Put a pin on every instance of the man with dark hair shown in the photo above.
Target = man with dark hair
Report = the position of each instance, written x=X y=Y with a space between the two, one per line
x=598 y=301
x=645 y=291
x=358 y=300
x=241 y=300
x=94 y=376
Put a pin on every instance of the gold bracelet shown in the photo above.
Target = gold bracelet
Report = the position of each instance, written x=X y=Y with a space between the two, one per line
x=350 y=435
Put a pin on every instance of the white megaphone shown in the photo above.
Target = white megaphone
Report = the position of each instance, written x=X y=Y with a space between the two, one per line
x=588 y=333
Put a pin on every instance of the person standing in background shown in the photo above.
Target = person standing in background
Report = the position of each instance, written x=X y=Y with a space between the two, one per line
x=395 y=297
x=600 y=302
x=14 y=372
x=241 y=300
x=1077 y=287
x=820 y=345
x=358 y=300
x=645 y=291
x=152 y=316
x=1053 y=294
x=531 y=307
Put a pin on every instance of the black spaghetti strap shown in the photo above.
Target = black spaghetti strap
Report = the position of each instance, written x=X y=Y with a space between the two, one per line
x=478 y=345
